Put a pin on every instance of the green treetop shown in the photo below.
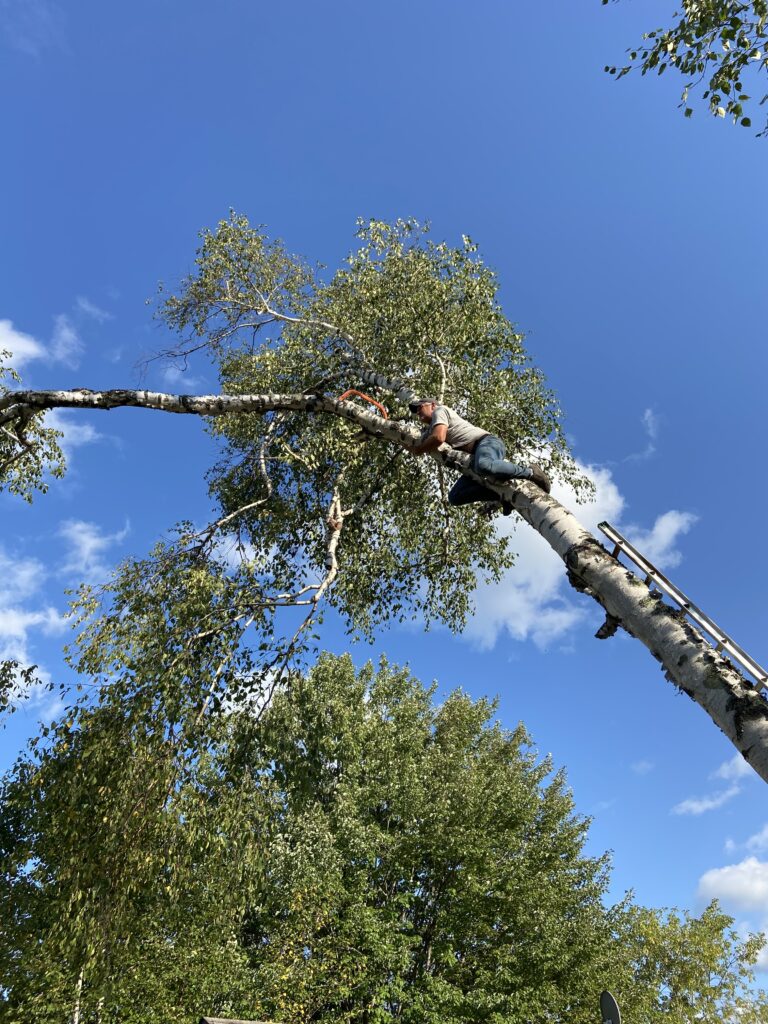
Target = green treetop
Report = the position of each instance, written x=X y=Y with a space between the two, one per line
x=356 y=854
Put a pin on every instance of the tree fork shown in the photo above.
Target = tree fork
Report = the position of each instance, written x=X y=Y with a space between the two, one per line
x=689 y=662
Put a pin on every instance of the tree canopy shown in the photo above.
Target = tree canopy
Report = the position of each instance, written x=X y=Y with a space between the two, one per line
x=355 y=853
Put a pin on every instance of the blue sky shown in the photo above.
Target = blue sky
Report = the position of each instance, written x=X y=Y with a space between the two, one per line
x=629 y=243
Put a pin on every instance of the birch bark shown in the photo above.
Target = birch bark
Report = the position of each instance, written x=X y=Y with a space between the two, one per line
x=687 y=659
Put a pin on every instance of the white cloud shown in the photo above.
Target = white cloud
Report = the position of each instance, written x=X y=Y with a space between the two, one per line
x=700 y=805
x=735 y=768
x=15 y=623
x=533 y=601
x=23 y=347
x=66 y=344
x=87 y=546
x=642 y=767
x=658 y=543
x=741 y=889
x=741 y=886
x=530 y=602
x=22 y=580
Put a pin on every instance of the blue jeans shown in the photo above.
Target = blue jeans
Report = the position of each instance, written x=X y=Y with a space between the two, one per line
x=488 y=459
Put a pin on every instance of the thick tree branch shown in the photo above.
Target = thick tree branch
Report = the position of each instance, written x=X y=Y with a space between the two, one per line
x=687 y=659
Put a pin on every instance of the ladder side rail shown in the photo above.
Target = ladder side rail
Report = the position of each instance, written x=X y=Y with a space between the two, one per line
x=642 y=563
x=721 y=638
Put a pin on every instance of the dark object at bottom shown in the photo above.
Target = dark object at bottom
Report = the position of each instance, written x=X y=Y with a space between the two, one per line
x=490 y=508
x=540 y=478
x=609 y=1009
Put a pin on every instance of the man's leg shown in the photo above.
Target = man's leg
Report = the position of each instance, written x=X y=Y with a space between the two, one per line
x=488 y=457
x=466 y=490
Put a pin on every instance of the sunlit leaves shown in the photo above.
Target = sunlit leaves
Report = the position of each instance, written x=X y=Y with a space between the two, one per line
x=30 y=453
x=716 y=45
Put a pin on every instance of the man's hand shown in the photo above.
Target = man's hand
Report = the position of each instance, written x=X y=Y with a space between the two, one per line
x=433 y=441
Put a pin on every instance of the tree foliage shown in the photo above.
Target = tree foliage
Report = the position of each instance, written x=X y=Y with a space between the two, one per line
x=403 y=306
x=719 y=46
x=30 y=453
x=356 y=854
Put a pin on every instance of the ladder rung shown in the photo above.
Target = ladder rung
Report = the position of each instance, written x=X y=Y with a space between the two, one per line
x=720 y=640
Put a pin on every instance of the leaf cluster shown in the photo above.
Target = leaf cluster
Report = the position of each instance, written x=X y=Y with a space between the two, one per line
x=30 y=453
x=719 y=45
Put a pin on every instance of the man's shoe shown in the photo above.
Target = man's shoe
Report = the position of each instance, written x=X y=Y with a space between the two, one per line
x=506 y=507
x=540 y=478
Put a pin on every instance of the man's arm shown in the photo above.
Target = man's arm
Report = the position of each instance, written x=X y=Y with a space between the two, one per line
x=434 y=439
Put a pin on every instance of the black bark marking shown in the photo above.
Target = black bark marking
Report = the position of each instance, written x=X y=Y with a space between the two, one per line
x=745 y=708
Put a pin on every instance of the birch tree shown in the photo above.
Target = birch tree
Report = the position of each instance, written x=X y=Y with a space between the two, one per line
x=317 y=487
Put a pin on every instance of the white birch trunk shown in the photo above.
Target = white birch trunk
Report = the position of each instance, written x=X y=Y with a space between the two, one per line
x=689 y=661
x=78 y=996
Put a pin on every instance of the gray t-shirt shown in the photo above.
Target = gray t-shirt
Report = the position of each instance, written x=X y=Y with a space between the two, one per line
x=461 y=433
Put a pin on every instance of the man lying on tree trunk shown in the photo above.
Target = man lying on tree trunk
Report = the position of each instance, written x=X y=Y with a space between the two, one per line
x=487 y=451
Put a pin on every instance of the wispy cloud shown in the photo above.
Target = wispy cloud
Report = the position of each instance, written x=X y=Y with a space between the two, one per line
x=32 y=26
x=658 y=543
x=175 y=377
x=74 y=434
x=90 y=309
x=87 y=544
x=66 y=344
x=642 y=767
x=735 y=768
x=702 y=804
x=758 y=843
x=650 y=422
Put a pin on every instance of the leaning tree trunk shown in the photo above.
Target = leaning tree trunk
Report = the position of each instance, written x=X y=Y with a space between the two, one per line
x=689 y=662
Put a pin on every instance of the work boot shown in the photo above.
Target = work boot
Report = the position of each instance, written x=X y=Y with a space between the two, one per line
x=540 y=478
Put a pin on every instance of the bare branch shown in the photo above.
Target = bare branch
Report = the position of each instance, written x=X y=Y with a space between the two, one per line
x=436 y=358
